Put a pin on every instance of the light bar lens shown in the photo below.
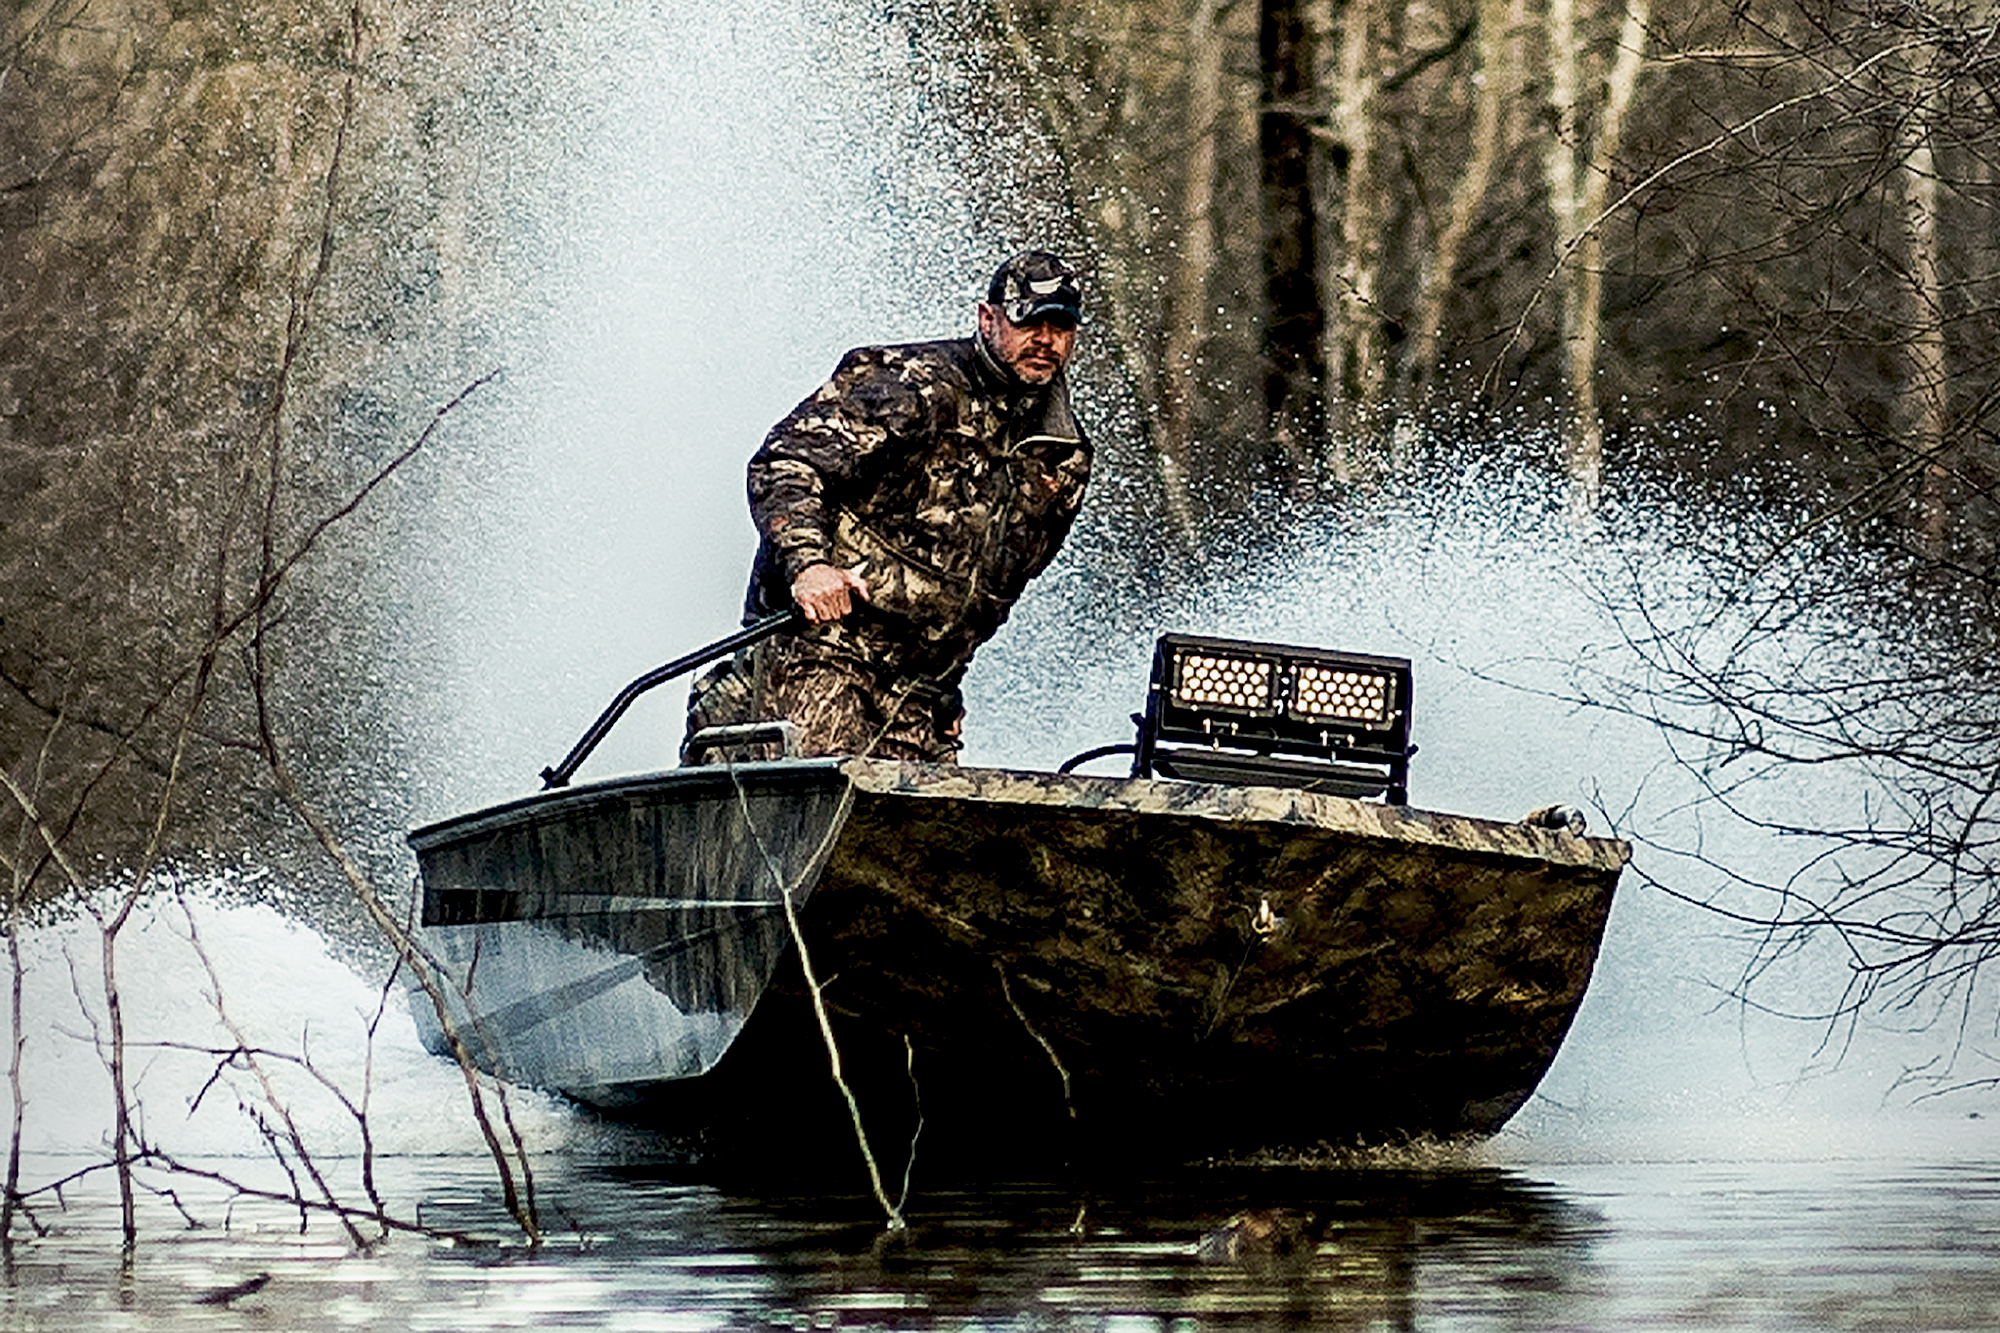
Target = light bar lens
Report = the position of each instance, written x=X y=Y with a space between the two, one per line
x=1223 y=682
x=1333 y=694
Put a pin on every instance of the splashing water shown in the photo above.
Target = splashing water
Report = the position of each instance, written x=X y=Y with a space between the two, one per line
x=1479 y=577
x=195 y=972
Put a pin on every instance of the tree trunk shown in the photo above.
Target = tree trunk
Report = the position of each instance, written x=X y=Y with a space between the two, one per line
x=1576 y=199
x=1496 y=83
x=1295 y=360
x=1187 y=301
x=1353 y=245
x=1925 y=387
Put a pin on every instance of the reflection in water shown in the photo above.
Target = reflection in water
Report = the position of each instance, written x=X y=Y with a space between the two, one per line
x=1347 y=1250
x=1606 y=1246
x=638 y=1248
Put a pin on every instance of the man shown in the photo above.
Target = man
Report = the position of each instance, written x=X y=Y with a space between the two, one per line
x=903 y=508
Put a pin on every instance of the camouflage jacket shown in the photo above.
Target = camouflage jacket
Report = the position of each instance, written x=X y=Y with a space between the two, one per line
x=947 y=483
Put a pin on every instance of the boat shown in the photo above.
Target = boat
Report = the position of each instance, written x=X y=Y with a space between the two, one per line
x=1020 y=969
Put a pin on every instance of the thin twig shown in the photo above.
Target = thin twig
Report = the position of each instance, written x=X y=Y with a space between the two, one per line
x=1041 y=1041
x=917 y=1097
x=272 y=1098
x=156 y=1157
x=1572 y=243
x=814 y=987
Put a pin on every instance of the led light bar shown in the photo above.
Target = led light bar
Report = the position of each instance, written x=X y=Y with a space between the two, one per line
x=1232 y=710
x=1222 y=681
x=1326 y=693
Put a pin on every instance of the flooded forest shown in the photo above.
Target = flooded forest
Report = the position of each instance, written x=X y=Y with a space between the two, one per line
x=1739 y=260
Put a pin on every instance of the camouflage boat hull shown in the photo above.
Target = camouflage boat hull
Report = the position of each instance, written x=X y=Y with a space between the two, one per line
x=1018 y=968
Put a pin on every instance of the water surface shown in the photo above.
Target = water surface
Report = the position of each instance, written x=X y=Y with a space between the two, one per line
x=1466 y=1242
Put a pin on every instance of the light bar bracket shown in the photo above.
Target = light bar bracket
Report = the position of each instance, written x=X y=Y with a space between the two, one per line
x=1236 y=711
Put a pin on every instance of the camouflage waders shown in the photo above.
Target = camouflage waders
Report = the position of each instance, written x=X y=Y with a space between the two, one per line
x=839 y=704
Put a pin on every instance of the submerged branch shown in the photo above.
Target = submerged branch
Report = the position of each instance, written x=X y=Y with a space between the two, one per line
x=509 y=1159
x=249 y=1055
x=347 y=1214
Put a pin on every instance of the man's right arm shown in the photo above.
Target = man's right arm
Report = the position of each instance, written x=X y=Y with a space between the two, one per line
x=821 y=454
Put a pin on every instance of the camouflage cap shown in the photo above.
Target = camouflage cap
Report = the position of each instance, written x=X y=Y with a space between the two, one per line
x=1036 y=285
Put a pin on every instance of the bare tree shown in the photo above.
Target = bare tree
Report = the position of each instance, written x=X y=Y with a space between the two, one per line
x=142 y=670
x=1832 y=232
x=1354 y=246
x=1926 y=395
x=1496 y=81
x=1834 y=688
x=1185 y=318
x=1580 y=161
x=1775 y=217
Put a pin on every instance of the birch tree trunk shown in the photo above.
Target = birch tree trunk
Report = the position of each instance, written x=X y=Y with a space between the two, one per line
x=1565 y=80
x=1925 y=393
x=1496 y=82
x=1187 y=303
x=1576 y=200
x=1352 y=243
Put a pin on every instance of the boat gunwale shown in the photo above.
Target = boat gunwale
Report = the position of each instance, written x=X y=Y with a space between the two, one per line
x=552 y=803
x=1319 y=812
x=1079 y=793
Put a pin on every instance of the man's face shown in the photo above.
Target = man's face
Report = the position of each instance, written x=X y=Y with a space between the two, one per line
x=1034 y=352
